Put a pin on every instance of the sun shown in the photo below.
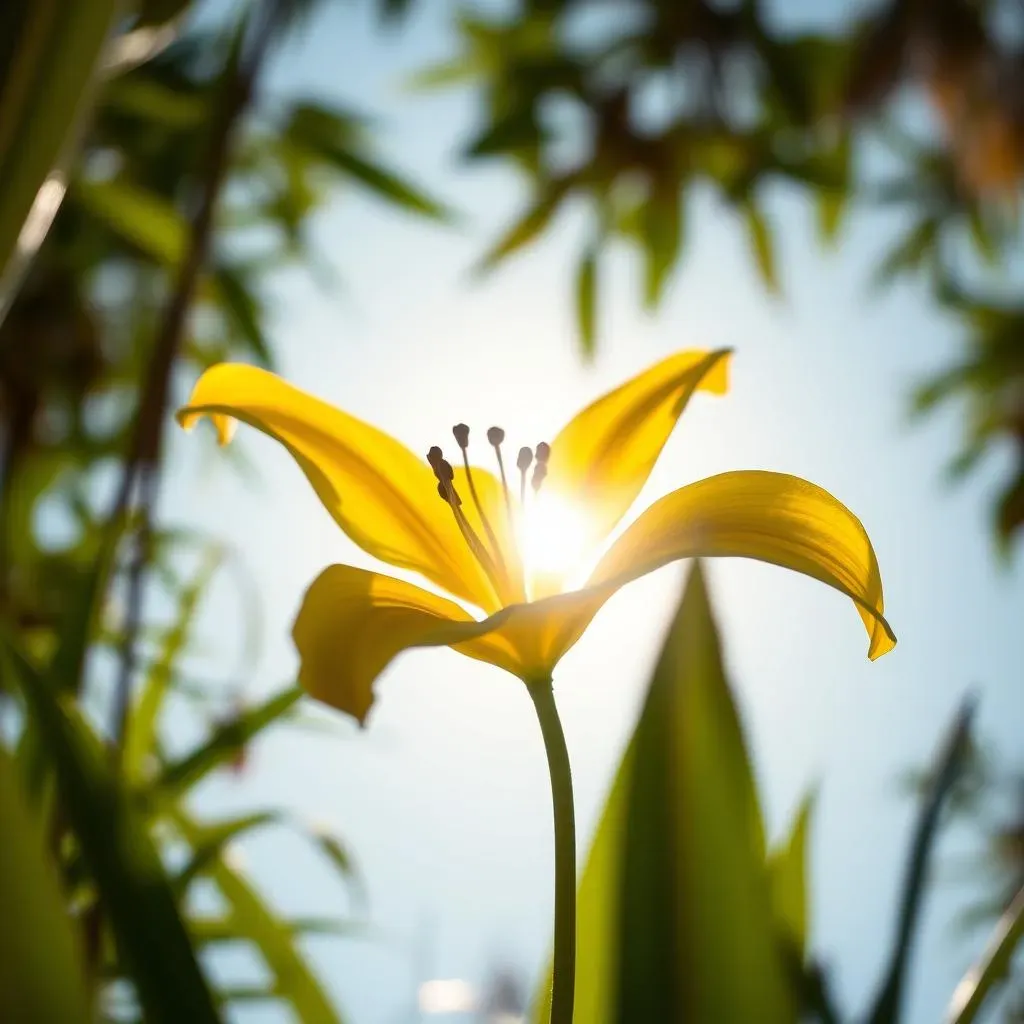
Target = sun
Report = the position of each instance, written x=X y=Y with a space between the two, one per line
x=554 y=537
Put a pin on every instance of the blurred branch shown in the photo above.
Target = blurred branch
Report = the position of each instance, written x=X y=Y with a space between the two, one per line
x=143 y=464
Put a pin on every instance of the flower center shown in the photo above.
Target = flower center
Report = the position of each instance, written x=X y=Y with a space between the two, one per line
x=502 y=563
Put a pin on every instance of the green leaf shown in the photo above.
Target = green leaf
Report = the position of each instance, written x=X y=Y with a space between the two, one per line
x=531 y=224
x=993 y=966
x=142 y=740
x=249 y=918
x=909 y=253
x=222 y=746
x=762 y=244
x=47 y=85
x=41 y=968
x=586 y=295
x=787 y=867
x=242 y=308
x=135 y=895
x=661 y=237
x=676 y=918
x=331 y=136
x=831 y=205
x=948 y=766
x=141 y=218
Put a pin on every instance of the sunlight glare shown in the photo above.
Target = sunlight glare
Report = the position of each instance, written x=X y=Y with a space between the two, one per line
x=555 y=534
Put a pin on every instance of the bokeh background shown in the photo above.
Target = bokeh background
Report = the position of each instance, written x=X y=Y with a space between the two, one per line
x=442 y=800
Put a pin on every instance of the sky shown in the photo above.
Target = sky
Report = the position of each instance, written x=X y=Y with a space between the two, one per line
x=444 y=797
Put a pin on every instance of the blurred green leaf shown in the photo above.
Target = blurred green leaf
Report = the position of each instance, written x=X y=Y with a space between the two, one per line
x=948 y=765
x=135 y=894
x=250 y=919
x=222 y=746
x=141 y=746
x=586 y=299
x=46 y=87
x=41 y=965
x=762 y=245
x=242 y=307
x=141 y=218
x=787 y=866
x=993 y=966
x=676 y=918
x=661 y=236
x=531 y=224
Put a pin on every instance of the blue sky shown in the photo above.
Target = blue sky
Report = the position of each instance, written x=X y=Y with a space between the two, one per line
x=444 y=797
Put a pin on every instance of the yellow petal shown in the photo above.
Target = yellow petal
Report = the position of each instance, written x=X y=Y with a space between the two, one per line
x=354 y=622
x=381 y=494
x=603 y=457
x=768 y=516
x=772 y=517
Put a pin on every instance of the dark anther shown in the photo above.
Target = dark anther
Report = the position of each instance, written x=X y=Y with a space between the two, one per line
x=444 y=471
x=461 y=432
x=543 y=452
x=495 y=435
x=435 y=457
x=448 y=493
x=524 y=459
x=539 y=472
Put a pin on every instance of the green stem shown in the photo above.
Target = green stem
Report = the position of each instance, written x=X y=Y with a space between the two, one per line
x=563 y=990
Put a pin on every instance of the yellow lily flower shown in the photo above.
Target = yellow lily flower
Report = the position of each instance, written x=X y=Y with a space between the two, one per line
x=461 y=527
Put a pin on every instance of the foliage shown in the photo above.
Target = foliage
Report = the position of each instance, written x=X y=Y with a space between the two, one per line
x=631 y=111
x=680 y=898
x=147 y=121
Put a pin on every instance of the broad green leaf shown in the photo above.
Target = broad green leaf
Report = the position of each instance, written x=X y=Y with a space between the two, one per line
x=993 y=966
x=221 y=747
x=787 y=866
x=676 y=918
x=948 y=766
x=586 y=300
x=141 y=218
x=41 y=966
x=47 y=85
x=249 y=918
x=136 y=897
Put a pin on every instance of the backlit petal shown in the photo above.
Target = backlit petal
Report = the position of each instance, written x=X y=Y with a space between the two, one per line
x=381 y=494
x=603 y=457
x=354 y=622
x=772 y=517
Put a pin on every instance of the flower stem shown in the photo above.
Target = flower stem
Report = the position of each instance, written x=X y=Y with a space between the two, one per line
x=564 y=969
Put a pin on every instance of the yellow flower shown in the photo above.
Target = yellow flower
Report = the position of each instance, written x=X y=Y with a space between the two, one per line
x=459 y=527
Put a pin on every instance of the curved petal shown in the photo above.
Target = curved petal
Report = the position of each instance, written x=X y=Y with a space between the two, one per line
x=379 y=492
x=603 y=457
x=353 y=622
x=772 y=517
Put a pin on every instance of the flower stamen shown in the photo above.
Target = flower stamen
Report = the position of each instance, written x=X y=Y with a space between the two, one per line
x=446 y=489
x=495 y=435
x=461 y=433
x=523 y=464
x=540 y=471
